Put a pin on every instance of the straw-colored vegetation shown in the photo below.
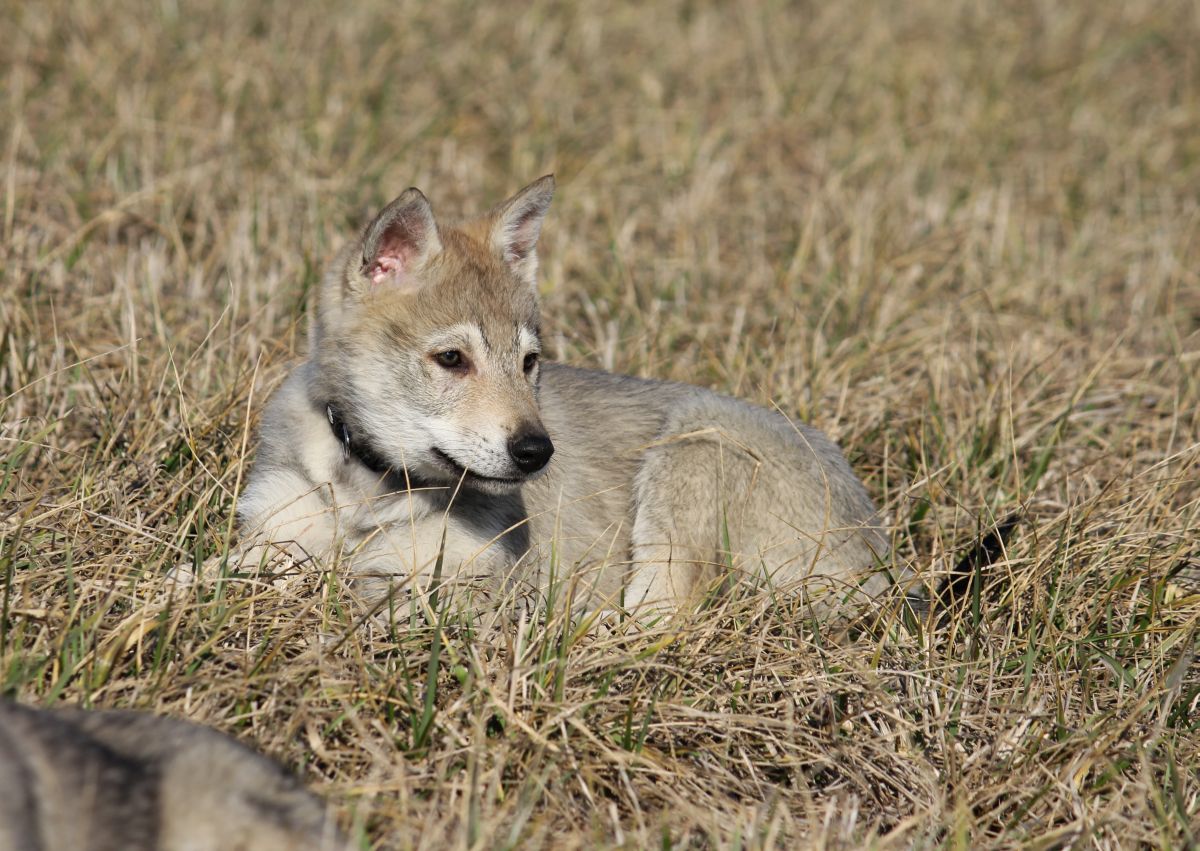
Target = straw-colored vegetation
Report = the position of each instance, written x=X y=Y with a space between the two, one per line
x=962 y=237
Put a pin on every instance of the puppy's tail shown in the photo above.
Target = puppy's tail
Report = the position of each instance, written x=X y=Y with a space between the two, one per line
x=982 y=555
x=966 y=579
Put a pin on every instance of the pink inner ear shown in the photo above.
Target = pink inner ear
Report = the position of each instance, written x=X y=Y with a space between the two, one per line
x=398 y=250
x=386 y=268
x=522 y=238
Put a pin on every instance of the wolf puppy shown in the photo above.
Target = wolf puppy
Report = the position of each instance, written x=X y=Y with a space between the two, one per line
x=425 y=421
x=126 y=781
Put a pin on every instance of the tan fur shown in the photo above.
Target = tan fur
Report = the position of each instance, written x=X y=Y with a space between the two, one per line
x=656 y=492
x=127 y=781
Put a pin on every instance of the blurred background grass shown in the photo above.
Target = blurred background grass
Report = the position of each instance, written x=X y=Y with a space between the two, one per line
x=963 y=237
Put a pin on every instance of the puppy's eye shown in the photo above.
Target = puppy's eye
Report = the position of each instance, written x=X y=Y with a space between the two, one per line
x=531 y=360
x=451 y=359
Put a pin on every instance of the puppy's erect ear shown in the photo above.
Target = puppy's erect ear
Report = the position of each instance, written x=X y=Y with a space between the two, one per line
x=399 y=242
x=517 y=224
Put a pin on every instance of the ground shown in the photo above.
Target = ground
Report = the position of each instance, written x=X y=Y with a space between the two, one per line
x=961 y=237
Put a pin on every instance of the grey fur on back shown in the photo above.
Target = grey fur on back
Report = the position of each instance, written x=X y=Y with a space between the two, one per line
x=637 y=455
x=129 y=781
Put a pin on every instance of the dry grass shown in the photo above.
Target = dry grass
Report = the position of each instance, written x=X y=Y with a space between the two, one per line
x=963 y=237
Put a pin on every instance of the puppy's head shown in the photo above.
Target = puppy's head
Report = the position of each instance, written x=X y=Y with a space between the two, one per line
x=426 y=342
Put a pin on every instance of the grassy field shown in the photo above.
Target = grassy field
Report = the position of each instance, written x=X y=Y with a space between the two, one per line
x=962 y=237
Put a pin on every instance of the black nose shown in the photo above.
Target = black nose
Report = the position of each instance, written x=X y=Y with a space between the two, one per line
x=531 y=451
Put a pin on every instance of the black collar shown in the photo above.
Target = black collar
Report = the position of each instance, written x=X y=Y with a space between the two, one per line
x=356 y=449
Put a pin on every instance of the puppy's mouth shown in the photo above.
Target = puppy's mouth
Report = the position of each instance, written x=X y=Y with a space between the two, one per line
x=470 y=475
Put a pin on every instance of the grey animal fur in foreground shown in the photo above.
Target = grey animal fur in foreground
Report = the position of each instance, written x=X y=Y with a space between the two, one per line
x=82 y=780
